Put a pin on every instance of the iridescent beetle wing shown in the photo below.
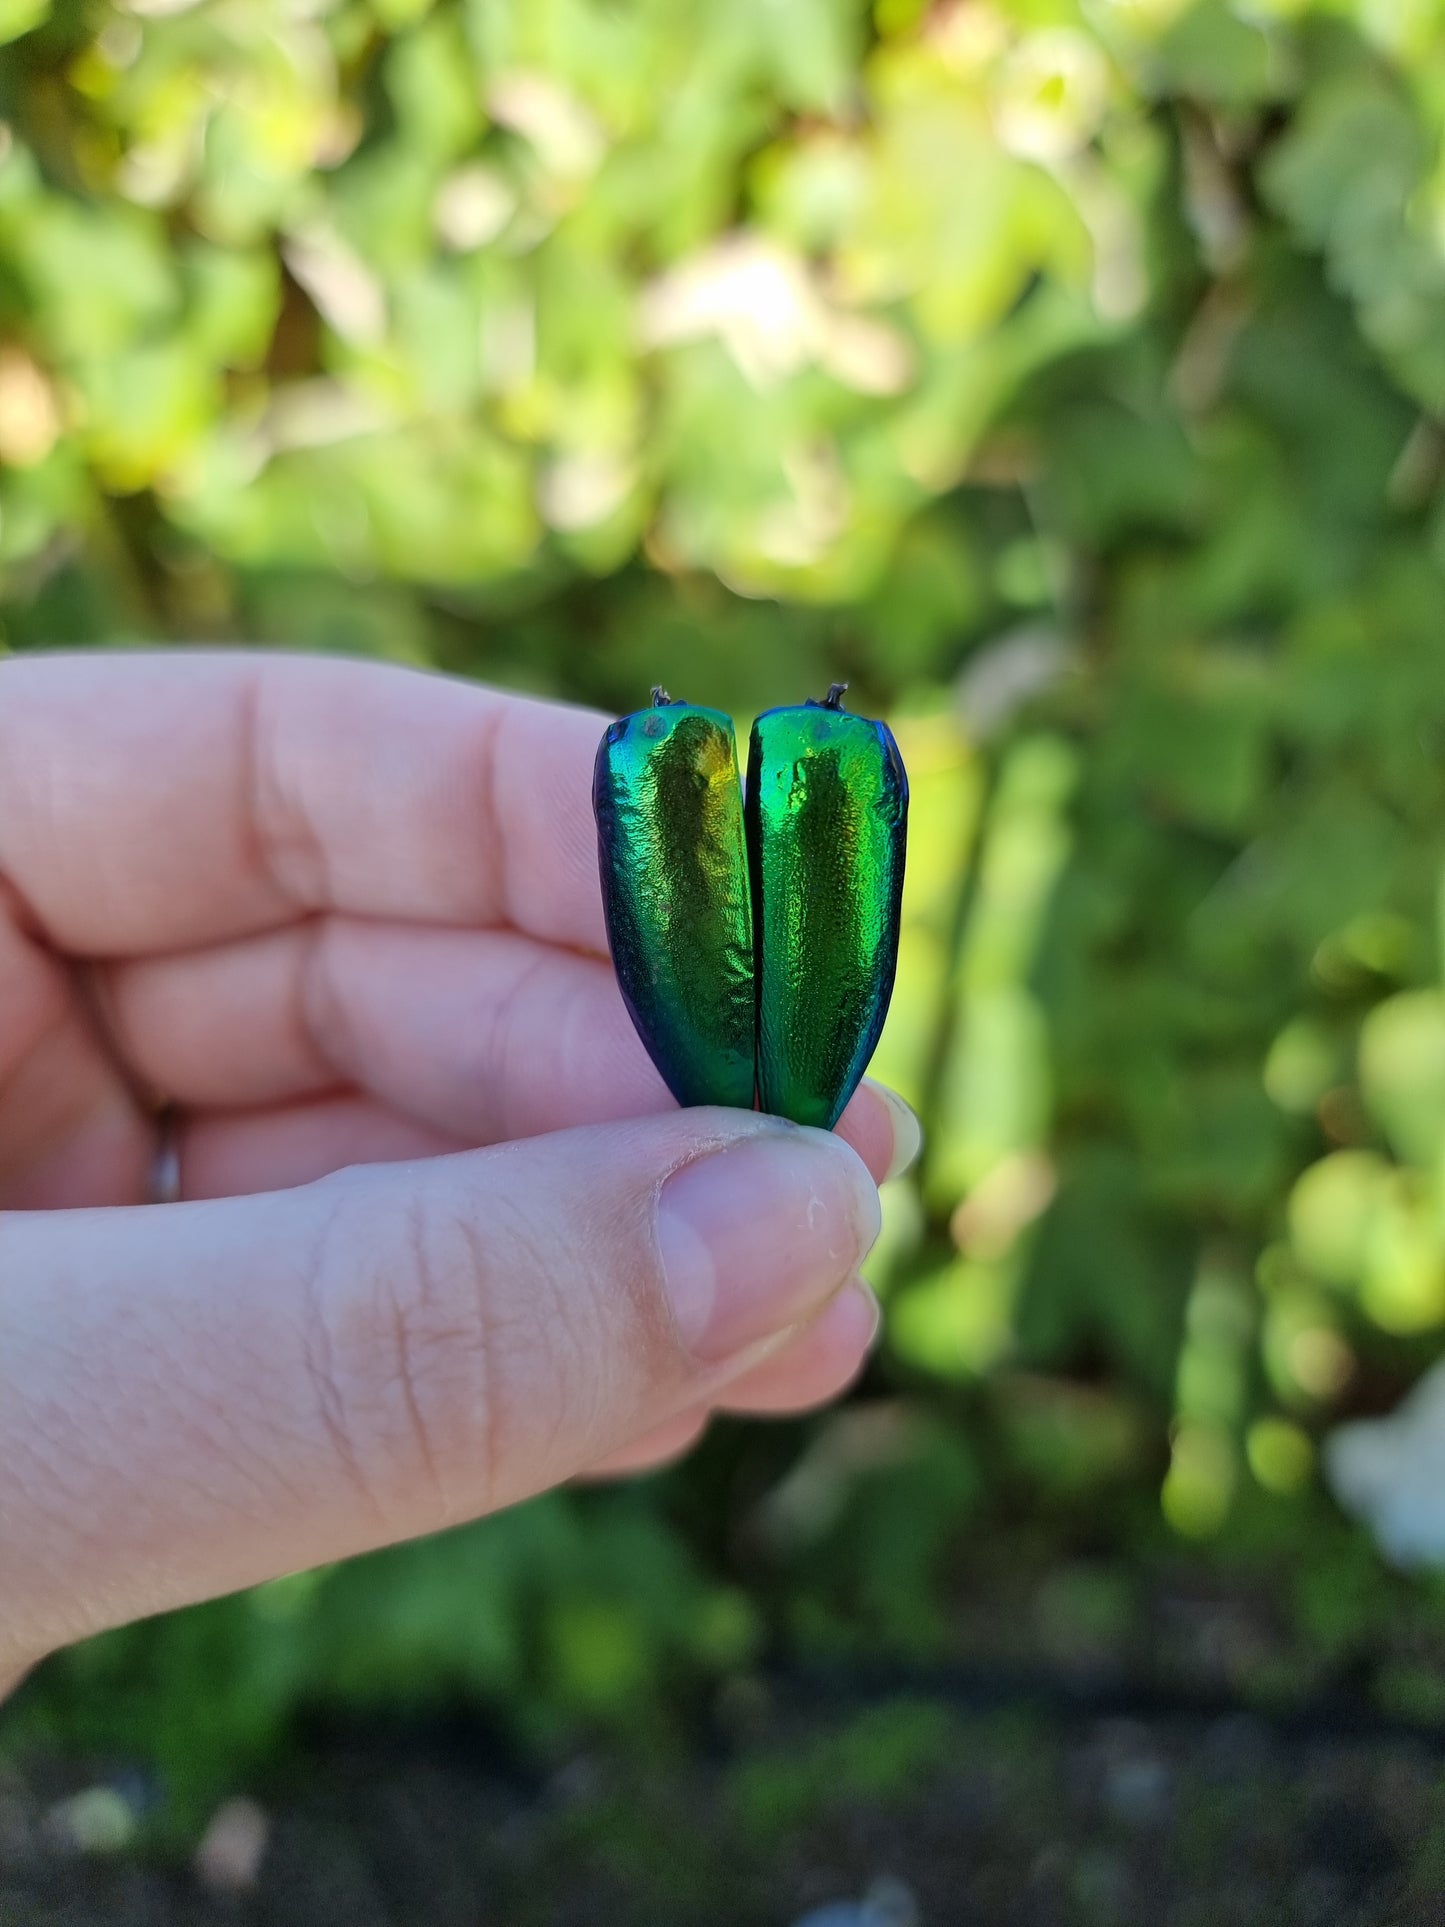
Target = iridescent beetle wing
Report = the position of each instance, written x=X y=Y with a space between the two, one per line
x=827 y=817
x=675 y=887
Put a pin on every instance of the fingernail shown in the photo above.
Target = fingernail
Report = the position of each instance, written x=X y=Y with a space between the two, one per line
x=866 y=1309
x=757 y=1235
x=907 y=1131
x=875 y=1312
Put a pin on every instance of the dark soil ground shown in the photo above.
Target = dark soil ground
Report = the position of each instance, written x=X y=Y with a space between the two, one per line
x=1002 y=1817
x=1108 y=1746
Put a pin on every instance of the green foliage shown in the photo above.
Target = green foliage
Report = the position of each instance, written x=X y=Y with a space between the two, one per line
x=1068 y=376
x=879 y=1760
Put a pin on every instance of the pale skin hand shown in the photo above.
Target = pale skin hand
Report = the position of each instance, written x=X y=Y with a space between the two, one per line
x=344 y=916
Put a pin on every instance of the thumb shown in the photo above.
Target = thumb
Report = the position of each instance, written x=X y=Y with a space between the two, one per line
x=196 y=1397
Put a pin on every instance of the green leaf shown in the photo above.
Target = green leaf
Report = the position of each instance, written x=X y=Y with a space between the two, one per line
x=1402 y=1073
x=20 y=16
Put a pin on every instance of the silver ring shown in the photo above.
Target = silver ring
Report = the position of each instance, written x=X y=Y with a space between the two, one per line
x=165 y=1180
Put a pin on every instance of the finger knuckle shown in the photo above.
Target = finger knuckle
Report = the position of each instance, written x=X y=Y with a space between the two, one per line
x=287 y=847
x=324 y=1014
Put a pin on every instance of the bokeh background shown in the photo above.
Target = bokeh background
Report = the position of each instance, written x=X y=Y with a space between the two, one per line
x=1069 y=379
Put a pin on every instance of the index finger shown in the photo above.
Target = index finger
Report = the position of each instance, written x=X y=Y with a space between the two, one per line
x=159 y=802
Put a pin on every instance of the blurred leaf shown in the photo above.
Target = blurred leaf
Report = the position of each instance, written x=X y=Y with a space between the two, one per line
x=19 y=16
x=1210 y=53
x=1402 y=1073
x=1331 y=1210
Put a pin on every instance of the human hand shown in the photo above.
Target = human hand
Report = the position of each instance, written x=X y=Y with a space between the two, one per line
x=346 y=918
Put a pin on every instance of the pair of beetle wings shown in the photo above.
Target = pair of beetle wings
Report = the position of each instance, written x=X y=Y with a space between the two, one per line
x=755 y=942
